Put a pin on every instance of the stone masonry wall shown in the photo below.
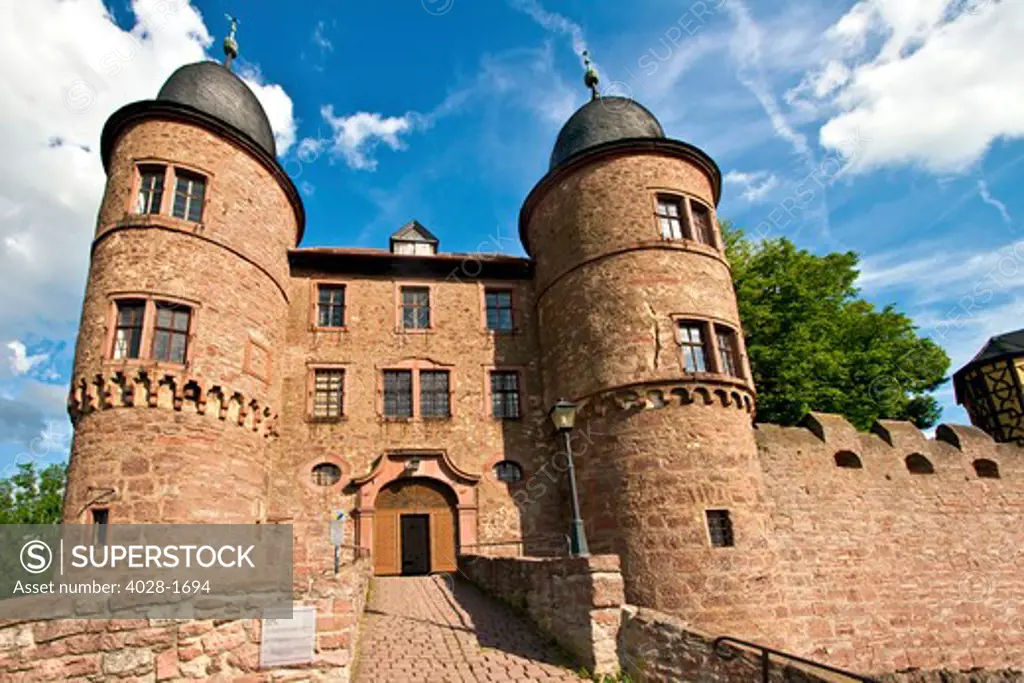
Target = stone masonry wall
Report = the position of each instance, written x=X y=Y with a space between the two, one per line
x=575 y=601
x=885 y=570
x=181 y=650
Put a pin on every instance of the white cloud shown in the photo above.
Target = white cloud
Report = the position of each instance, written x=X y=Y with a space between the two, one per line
x=930 y=84
x=753 y=186
x=986 y=196
x=356 y=136
x=320 y=39
x=18 y=360
x=276 y=103
x=554 y=23
x=65 y=66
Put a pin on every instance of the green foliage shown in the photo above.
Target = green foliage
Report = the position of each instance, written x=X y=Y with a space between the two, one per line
x=815 y=345
x=31 y=497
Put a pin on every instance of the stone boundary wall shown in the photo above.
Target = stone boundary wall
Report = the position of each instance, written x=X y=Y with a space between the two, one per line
x=881 y=569
x=180 y=650
x=575 y=601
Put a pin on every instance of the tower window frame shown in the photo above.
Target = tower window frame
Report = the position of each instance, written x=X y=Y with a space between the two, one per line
x=702 y=223
x=680 y=217
x=670 y=211
x=172 y=327
x=727 y=341
x=151 y=183
x=155 y=337
x=694 y=346
x=129 y=328
x=189 y=195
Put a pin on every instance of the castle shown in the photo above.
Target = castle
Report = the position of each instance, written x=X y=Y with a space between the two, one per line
x=224 y=374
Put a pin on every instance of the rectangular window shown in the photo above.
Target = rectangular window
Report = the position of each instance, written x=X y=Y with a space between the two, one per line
x=505 y=395
x=670 y=217
x=151 y=189
x=189 y=192
x=499 y=310
x=702 y=226
x=331 y=306
x=397 y=393
x=128 y=329
x=434 y=397
x=170 y=333
x=100 y=518
x=727 y=352
x=691 y=338
x=328 y=393
x=720 y=528
x=415 y=308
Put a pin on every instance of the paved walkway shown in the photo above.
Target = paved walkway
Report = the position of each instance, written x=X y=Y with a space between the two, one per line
x=426 y=630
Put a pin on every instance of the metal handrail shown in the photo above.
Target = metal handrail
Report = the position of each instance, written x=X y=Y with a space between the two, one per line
x=765 y=657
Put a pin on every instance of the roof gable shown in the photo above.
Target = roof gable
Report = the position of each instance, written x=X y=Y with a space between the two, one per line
x=413 y=231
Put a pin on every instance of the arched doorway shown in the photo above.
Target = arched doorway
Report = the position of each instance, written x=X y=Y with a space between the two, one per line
x=415 y=527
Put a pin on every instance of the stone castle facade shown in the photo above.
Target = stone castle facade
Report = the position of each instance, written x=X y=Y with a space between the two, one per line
x=224 y=374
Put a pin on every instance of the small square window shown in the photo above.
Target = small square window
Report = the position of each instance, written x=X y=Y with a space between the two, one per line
x=151 y=189
x=434 y=397
x=170 y=333
x=328 y=393
x=720 y=528
x=189 y=195
x=505 y=395
x=415 y=308
x=398 y=393
x=691 y=339
x=128 y=329
x=671 y=213
x=499 y=310
x=331 y=306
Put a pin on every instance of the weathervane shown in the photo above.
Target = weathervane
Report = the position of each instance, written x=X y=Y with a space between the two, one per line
x=590 y=78
x=230 y=44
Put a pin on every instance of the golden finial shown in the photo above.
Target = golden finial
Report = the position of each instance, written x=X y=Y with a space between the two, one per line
x=230 y=44
x=590 y=78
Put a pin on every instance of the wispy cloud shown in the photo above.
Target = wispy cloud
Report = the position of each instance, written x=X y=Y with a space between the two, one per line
x=755 y=186
x=986 y=196
x=555 y=23
x=320 y=38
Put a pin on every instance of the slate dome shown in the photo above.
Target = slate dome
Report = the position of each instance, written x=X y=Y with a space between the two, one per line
x=217 y=91
x=602 y=120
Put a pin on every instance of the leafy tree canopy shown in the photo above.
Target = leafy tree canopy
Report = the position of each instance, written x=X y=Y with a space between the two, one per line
x=814 y=344
x=31 y=497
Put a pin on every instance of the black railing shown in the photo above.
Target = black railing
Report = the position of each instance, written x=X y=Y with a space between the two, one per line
x=722 y=650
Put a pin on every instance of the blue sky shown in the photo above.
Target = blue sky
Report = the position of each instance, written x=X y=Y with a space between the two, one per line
x=888 y=127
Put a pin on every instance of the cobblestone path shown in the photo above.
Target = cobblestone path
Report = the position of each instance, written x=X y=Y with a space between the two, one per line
x=426 y=630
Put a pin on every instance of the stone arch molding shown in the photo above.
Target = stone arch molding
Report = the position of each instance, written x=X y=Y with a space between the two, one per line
x=435 y=465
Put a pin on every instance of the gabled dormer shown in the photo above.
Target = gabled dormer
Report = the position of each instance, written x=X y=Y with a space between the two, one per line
x=413 y=239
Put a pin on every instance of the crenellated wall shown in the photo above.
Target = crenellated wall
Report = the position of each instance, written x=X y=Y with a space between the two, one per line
x=885 y=570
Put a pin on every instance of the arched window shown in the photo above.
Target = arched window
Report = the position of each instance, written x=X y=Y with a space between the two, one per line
x=849 y=460
x=508 y=472
x=986 y=469
x=918 y=464
x=326 y=474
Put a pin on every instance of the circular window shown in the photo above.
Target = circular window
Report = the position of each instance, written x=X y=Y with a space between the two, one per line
x=508 y=472
x=326 y=474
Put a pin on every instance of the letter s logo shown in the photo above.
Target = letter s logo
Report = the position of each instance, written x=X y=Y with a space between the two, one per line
x=36 y=557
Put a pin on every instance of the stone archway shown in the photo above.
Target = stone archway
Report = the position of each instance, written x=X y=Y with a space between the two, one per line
x=414 y=528
x=416 y=483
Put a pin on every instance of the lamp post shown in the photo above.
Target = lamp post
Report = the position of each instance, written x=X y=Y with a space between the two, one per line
x=563 y=415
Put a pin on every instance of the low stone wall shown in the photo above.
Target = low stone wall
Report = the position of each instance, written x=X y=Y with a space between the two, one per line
x=575 y=601
x=657 y=647
x=179 y=650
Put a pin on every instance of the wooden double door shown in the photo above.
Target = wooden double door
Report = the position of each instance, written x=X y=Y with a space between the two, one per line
x=414 y=528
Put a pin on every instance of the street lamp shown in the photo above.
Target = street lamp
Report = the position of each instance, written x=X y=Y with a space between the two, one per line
x=563 y=415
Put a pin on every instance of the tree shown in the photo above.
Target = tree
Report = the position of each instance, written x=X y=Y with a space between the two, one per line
x=31 y=497
x=814 y=344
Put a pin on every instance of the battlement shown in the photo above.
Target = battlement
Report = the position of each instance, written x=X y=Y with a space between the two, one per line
x=143 y=388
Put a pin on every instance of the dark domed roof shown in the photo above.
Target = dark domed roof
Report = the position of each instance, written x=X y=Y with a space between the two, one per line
x=217 y=91
x=605 y=119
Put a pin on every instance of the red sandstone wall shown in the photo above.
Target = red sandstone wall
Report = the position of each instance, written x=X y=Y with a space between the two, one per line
x=172 y=442
x=887 y=570
x=472 y=438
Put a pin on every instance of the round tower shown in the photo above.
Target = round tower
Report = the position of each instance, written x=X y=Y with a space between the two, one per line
x=638 y=324
x=175 y=384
